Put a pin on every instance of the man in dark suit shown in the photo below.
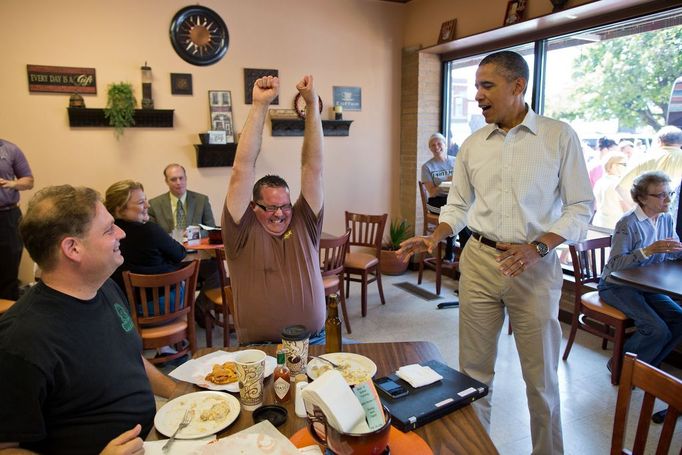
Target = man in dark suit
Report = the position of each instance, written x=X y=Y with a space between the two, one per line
x=179 y=208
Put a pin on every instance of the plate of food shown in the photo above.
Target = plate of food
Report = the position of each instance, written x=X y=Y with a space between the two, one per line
x=211 y=412
x=216 y=371
x=354 y=368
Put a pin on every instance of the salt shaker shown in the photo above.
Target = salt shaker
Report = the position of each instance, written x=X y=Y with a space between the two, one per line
x=299 y=407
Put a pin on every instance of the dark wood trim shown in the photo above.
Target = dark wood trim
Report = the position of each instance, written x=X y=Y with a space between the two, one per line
x=144 y=118
x=215 y=155
x=589 y=15
x=296 y=127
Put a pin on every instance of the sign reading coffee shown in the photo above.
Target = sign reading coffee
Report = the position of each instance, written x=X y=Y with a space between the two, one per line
x=61 y=79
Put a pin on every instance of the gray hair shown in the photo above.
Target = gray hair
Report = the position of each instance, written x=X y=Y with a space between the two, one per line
x=640 y=187
x=511 y=65
x=670 y=135
x=438 y=136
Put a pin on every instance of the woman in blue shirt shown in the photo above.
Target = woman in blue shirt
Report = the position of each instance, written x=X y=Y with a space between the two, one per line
x=643 y=236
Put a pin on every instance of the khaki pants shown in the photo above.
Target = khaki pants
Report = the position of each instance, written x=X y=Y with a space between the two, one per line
x=532 y=301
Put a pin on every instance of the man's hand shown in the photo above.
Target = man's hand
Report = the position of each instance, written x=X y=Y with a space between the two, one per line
x=516 y=257
x=265 y=89
x=307 y=91
x=127 y=443
x=414 y=245
x=663 y=246
x=6 y=183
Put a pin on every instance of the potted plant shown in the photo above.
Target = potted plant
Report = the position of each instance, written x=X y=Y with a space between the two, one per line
x=398 y=232
x=120 y=107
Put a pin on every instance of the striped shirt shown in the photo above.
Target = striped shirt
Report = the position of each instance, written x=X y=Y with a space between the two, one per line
x=516 y=186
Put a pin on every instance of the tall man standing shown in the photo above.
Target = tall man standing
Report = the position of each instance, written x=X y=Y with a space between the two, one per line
x=179 y=208
x=270 y=244
x=523 y=184
x=15 y=176
x=81 y=385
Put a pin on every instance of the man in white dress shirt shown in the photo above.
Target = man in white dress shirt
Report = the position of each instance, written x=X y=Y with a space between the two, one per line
x=523 y=183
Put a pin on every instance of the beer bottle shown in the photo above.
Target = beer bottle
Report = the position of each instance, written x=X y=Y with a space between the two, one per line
x=332 y=326
x=281 y=379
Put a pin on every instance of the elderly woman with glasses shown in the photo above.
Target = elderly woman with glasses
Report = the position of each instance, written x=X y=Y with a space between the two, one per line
x=643 y=236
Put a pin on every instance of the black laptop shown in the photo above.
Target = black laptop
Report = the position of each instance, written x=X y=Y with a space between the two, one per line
x=428 y=403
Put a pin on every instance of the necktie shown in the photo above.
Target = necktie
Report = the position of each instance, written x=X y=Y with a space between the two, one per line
x=180 y=220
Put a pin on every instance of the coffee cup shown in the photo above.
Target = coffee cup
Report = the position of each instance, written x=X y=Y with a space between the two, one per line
x=295 y=340
x=250 y=372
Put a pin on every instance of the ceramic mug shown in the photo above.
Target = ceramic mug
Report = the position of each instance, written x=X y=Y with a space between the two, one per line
x=250 y=372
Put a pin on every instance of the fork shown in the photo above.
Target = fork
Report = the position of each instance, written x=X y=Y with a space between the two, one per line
x=186 y=419
x=334 y=365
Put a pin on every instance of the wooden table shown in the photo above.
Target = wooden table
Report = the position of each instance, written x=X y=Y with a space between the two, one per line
x=457 y=433
x=664 y=277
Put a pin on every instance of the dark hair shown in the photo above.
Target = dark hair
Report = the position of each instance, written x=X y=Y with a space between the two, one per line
x=53 y=213
x=173 y=165
x=118 y=195
x=670 y=135
x=270 y=181
x=605 y=143
x=640 y=186
x=511 y=64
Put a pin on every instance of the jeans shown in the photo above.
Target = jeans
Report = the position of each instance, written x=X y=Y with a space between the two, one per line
x=658 y=321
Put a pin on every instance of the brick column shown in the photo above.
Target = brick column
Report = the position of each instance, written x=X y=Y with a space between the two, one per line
x=419 y=119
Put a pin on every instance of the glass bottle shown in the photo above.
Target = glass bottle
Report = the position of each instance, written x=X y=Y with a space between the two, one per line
x=282 y=379
x=332 y=326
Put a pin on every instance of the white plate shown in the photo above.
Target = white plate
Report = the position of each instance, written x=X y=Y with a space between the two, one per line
x=169 y=416
x=355 y=368
x=199 y=368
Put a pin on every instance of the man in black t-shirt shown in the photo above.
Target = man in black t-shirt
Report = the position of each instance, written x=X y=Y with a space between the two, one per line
x=73 y=377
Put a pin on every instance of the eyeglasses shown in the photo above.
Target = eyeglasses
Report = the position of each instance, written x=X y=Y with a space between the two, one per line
x=274 y=208
x=663 y=195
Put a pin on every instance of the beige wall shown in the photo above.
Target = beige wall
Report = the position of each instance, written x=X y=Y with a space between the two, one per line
x=424 y=17
x=347 y=42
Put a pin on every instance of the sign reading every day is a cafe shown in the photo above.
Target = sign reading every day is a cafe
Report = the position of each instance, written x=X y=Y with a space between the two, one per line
x=61 y=79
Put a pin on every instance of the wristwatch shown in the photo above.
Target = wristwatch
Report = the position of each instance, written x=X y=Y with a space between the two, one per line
x=541 y=248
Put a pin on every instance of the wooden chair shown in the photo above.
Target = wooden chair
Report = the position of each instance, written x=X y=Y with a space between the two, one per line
x=332 y=257
x=366 y=231
x=7 y=304
x=430 y=224
x=590 y=313
x=162 y=308
x=219 y=314
x=655 y=384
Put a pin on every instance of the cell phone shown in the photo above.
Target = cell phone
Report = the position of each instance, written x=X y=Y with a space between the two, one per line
x=389 y=387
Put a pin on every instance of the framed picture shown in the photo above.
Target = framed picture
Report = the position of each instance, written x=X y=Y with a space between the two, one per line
x=250 y=76
x=349 y=98
x=447 y=31
x=181 y=84
x=514 y=13
x=217 y=137
x=220 y=109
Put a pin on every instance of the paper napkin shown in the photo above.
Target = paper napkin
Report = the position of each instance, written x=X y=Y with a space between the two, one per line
x=417 y=375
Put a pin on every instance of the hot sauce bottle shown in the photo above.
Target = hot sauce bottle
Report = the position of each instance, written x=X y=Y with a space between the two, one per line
x=282 y=379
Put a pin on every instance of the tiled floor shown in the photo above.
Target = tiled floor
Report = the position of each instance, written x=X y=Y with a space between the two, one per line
x=588 y=398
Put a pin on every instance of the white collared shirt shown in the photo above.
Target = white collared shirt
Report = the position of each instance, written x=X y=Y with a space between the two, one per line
x=515 y=186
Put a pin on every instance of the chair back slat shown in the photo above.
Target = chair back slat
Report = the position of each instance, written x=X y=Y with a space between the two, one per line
x=430 y=219
x=333 y=254
x=161 y=298
x=656 y=384
x=589 y=259
x=366 y=230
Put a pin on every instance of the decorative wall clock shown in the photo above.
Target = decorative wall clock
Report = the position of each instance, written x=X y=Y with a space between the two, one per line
x=199 y=35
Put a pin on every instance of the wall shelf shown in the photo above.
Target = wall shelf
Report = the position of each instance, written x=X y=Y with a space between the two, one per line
x=215 y=155
x=144 y=118
x=296 y=127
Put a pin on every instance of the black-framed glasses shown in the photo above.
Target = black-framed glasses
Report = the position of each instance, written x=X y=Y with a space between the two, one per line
x=663 y=195
x=274 y=208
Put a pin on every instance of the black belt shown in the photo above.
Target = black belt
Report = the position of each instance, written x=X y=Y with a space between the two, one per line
x=483 y=240
x=6 y=208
